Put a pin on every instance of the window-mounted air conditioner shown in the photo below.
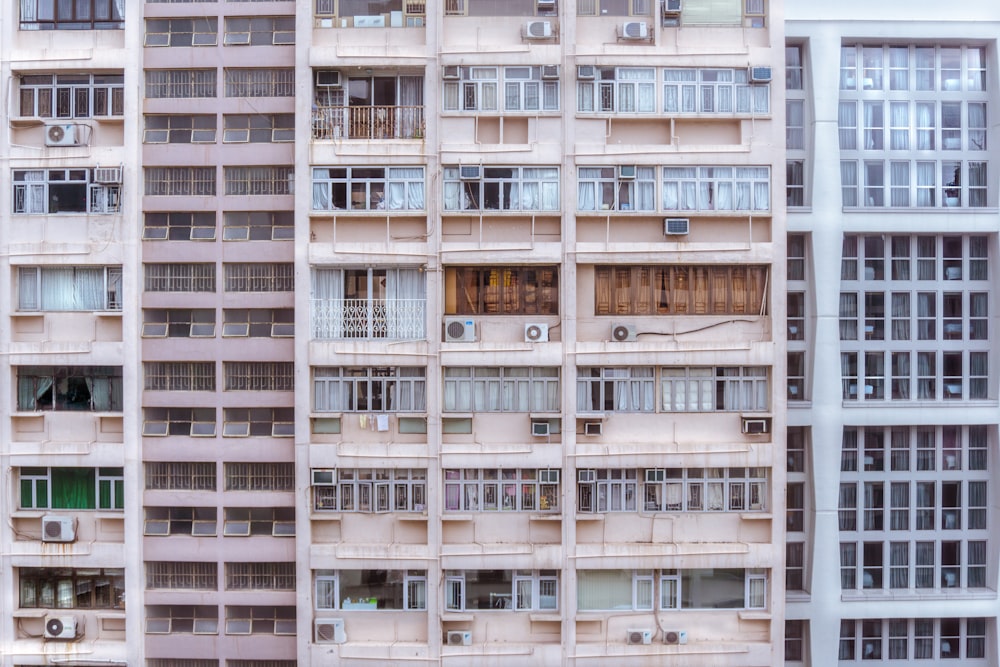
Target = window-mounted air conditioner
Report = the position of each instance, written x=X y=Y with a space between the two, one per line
x=108 y=175
x=756 y=426
x=635 y=30
x=640 y=636
x=323 y=477
x=470 y=172
x=330 y=631
x=586 y=72
x=459 y=638
x=56 y=528
x=536 y=332
x=540 y=429
x=623 y=333
x=546 y=4
x=626 y=172
x=450 y=72
x=675 y=637
x=593 y=428
x=760 y=74
x=61 y=627
x=550 y=71
x=676 y=226
x=671 y=7
x=62 y=134
x=328 y=77
x=538 y=29
x=459 y=330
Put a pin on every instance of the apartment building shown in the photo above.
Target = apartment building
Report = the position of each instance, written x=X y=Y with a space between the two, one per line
x=393 y=333
x=892 y=420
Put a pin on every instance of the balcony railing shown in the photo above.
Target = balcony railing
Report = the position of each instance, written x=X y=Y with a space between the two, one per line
x=368 y=122
x=394 y=319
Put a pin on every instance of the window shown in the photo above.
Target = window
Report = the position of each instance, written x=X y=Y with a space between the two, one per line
x=616 y=189
x=179 y=277
x=351 y=8
x=248 y=521
x=258 y=128
x=618 y=90
x=703 y=489
x=370 y=590
x=501 y=389
x=913 y=639
x=796 y=257
x=259 y=277
x=259 y=477
x=194 y=422
x=71 y=588
x=256 y=181
x=523 y=88
x=260 y=82
x=178 y=323
x=502 y=189
x=795 y=637
x=372 y=389
x=180 y=476
x=616 y=389
x=370 y=188
x=703 y=588
x=716 y=188
x=793 y=67
x=795 y=190
x=501 y=590
x=182 y=32
x=680 y=290
x=179 y=376
x=258 y=322
x=178 y=226
x=713 y=91
x=260 y=620
x=179 y=181
x=180 y=83
x=258 y=226
x=72 y=488
x=77 y=15
x=86 y=388
x=369 y=303
x=606 y=490
x=524 y=290
x=195 y=521
x=182 y=619
x=614 y=8
x=182 y=575
x=253 y=422
x=384 y=105
x=49 y=191
x=259 y=30
x=177 y=129
x=78 y=95
x=260 y=576
x=370 y=490
x=794 y=566
x=503 y=490
x=259 y=375
x=69 y=288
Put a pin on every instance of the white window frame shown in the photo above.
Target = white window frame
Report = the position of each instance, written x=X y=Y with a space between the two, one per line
x=33 y=192
x=501 y=389
x=717 y=188
x=337 y=388
x=67 y=95
x=618 y=90
x=603 y=189
x=31 y=294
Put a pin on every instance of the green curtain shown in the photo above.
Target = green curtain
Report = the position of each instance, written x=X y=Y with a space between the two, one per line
x=74 y=488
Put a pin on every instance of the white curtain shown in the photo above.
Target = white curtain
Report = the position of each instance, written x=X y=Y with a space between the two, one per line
x=713 y=12
x=120 y=7
x=874 y=123
x=925 y=183
x=404 y=291
x=406 y=188
x=899 y=174
x=29 y=14
x=847 y=121
x=604 y=589
x=925 y=126
x=587 y=190
x=411 y=94
x=849 y=182
x=328 y=303
x=899 y=139
x=584 y=96
x=321 y=197
x=58 y=291
x=901 y=316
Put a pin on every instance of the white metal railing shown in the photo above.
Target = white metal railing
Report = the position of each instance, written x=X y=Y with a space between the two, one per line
x=393 y=319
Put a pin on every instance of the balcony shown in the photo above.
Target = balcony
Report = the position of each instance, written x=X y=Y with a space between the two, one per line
x=390 y=319
x=368 y=122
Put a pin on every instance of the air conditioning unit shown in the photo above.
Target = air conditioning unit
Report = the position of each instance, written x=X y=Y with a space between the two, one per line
x=550 y=71
x=324 y=477
x=459 y=330
x=470 y=172
x=328 y=77
x=60 y=627
x=330 y=631
x=671 y=7
x=626 y=172
x=640 y=636
x=635 y=30
x=676 y=226
x=756 y=426
x=58 y=528
x=538 y=29
x=675 y=637
x=108 y=175
x=459 y=638
x=760 y=75
x=63 y=134
x=540 y=429
x=451 y=72
x=536 y=332
x=623 y=333
x=586 y=72
x=593 y=428
x=546 y=5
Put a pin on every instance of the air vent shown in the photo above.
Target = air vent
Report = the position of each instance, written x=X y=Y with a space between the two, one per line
x=640 y=636
x=536 y=332
x=330 y=631
x=760 y=75
x=459 y=330
x=60 y=627
x=550 y=71
x=328 y=77
x=593 y=428
x=623 y=333
x=470 y=172
x=676 y=226
x=756 y=426
x=459 y=638
x=64 y=134
x=58 y=528
x=540 y=429
x=671 y=7
x=675 y=637
x=586 y=72
x=538 y=29
x=450 y=72
x=635 y=30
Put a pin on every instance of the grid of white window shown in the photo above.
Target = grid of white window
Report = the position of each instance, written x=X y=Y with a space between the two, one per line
x=618 y=90
x=258 y=322
x=259 y=375
x=49 y=288
x=704 y=489
x=180 y=83
x=259 y=277
x=376 y=490
x=368 y=188
x=194 y=422
x=196 y=521
x=501 y=590
x=182 y=575
x=622 y=188
x=681 y=389
x=669 y=589
x=713 y=91
x=266 y=576
x=259 y=30
x=259 y=180
x=71 y=95
x=905 y=639
x=49 y=191
x=250 y=521
x=267 y=476
x=179 y=181
x=716 y=188
x=369 y=389
x=182 y=619
x=495 y=188
x=258 y=226
x=179 y=277
x=178 y=226
x=260 y=82
x=260 y=620
x=178 y=323
x=179 y=129
x=501 y=389
x=258 y=128
x=179 y=375
x=501 y=490
x=180 y=476
x=516 y=88
x=196 y=31
x=370 y=590
x=253 y=422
